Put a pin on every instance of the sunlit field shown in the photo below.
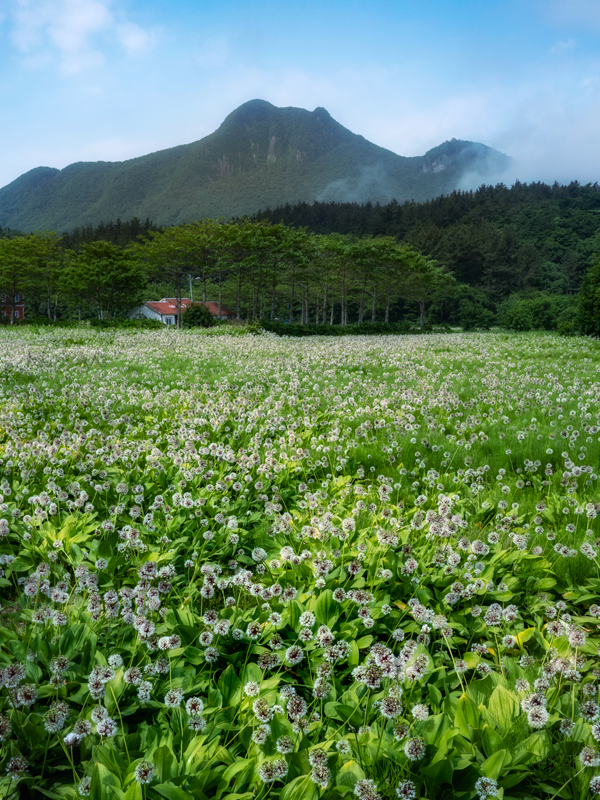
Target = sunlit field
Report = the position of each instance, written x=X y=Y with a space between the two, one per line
x=246 y=566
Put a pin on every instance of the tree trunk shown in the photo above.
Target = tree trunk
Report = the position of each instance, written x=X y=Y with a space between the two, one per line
x=55 y=307
x=343 y=309
x=362 y=305
x=305 y=309
x=239 y=296
x=292 y=303
x=387 y=303
x=220 y=296
x=373 y=309
x=331 y=316
x=325 y=306
x=273 y=299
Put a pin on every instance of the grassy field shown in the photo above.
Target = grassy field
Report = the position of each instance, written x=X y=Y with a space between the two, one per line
x=251 y=567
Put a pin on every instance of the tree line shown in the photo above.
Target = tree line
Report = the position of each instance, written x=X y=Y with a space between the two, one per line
x=261 y=270
x=496 y=239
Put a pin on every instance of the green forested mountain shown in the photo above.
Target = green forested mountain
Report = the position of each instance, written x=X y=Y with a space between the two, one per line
x=260 y=156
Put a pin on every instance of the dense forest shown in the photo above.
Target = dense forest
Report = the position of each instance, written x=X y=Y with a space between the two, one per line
x=501 y=239
x=512 y=256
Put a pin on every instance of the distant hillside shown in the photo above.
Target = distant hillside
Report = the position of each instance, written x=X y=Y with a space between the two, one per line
x=261 y=156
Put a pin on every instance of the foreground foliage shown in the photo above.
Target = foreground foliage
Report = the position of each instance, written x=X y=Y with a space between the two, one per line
x=241 y=566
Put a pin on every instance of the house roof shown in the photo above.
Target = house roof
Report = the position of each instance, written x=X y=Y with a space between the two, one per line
x=168 y=305
x=213 y=307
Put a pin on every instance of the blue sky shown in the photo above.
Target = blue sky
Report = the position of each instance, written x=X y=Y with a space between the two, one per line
x=90 y=80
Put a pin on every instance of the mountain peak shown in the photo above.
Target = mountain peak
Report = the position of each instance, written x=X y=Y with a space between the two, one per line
x=261 y=156
x=465 y=155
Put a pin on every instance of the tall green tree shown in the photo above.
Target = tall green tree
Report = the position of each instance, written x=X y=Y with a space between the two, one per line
x=589 y=300
x=15 y=273
x=111 y=278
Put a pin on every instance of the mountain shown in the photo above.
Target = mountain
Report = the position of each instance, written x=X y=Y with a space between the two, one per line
x=261 y=156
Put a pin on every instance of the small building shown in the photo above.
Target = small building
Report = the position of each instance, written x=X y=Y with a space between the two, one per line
x=165 y=310
x=10 y=309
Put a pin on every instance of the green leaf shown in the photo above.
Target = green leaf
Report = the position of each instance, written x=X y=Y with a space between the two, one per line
x=236 y=767
x=301 y=788
x=193 y=655
x=525 y=635
x=172 y=792
x=467 y=714
x=534 y=749
x=433 y=728
x=354 y=657
x=134 y=792
x=491 y=740
x=435 y=696
x=504 y=708
x=492 y=766
x=327 y=610
x=230 y=686
x=436 y=774
x=349 y=773
x=163 y=763
x=103 y=781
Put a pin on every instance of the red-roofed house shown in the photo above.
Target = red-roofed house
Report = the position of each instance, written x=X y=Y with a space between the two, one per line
x=165 y=310
x=13 y=309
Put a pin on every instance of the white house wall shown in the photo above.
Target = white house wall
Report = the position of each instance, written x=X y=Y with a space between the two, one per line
x=145 y=311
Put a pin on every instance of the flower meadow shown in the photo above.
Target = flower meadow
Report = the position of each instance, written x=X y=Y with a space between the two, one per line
x=251 y=566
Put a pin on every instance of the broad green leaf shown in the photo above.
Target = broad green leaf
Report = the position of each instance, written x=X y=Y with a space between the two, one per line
x=436 y=774
x=525 y=635
x=163 y=763
x=492 y=766
x=230 y=685
x=433 y=728
x=134 y=792
x=327 y=610
x=467 y=714
x=102 y=782
x=504 y=708
x=172 y=792
x=301 y=788
x=491 y=740
x=236 y=767
x=349 y=773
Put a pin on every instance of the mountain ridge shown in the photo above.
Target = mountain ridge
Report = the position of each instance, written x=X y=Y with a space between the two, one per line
x=260 y=156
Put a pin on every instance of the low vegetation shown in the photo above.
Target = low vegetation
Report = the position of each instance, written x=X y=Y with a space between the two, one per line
x=238 y=567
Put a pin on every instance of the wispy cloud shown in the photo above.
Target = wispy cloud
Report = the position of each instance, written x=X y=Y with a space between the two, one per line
x=562 y=47
x=73 y=34
x=571 y=13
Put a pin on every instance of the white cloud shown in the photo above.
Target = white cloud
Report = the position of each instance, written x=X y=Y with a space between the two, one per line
x=562 y=47
x=571 y=13
x=72 y=33
x=133 y=39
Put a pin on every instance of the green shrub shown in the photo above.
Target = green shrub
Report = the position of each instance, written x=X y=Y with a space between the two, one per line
x=537 y=312
x=296 y=329
x=197 y=316
x=474 y=316
x=589 y=300
x=143 y=324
